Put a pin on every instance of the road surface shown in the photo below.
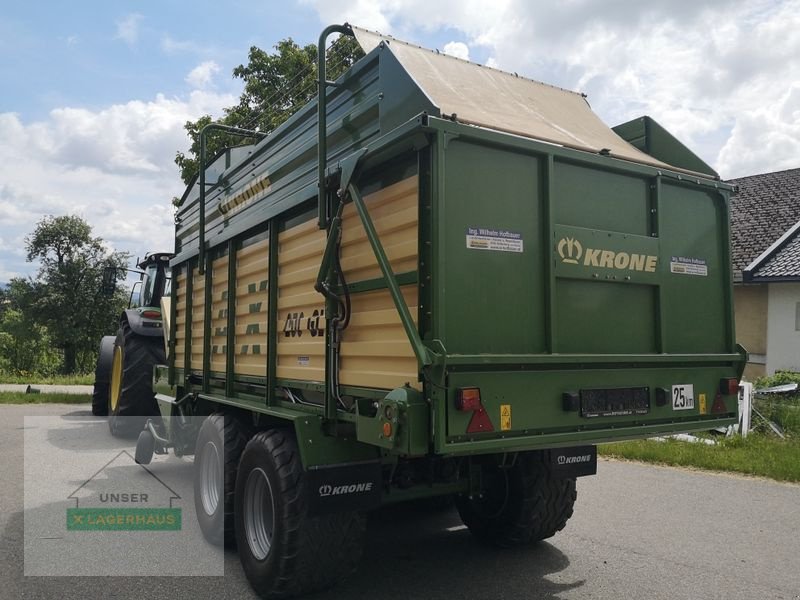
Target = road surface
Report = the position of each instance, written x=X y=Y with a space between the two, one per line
x=639 y=532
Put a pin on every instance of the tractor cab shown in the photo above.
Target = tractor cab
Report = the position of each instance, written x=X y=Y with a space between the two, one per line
x=155 y=280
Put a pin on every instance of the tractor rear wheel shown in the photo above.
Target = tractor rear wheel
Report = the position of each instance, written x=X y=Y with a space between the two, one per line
x=102 y=376
x=284 y=551
x=130 y=398
x=521 y=504
x=219 y=445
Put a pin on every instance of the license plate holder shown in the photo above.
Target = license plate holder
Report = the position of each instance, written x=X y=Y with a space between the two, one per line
x=615 y=402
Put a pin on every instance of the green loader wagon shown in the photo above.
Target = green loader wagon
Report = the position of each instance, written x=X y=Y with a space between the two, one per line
x=458 y=289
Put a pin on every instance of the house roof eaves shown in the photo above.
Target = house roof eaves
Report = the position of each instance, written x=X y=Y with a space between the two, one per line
x=749 y=270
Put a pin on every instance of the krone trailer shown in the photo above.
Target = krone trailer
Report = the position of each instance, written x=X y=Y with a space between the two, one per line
x=459 y=288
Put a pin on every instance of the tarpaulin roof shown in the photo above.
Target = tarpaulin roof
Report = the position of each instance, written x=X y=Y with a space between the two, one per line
x=507 y=102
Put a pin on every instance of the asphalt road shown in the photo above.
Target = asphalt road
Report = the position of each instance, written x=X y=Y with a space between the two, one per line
x=639 y=532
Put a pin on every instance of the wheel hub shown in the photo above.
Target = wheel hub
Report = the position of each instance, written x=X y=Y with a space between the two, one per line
x=259 y=513
x=210 y=478
x=116 y=378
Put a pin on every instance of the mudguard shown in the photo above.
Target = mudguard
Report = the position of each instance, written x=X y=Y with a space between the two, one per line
x=143 y=326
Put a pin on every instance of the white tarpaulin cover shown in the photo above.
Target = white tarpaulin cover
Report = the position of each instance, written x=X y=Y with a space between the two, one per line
x=498 y=100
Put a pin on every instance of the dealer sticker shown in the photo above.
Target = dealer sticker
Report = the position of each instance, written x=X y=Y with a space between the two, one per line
x=683 y=396
x=499 y=240
x=688 y=266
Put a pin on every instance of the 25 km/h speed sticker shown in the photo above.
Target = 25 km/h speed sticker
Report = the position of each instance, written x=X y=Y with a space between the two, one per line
x=682 y=397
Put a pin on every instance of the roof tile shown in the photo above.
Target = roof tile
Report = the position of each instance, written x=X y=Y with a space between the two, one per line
x=764 y=208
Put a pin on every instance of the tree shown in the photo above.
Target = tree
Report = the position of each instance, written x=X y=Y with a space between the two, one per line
x=275 y=87
x=25 y=345
x=66 y=298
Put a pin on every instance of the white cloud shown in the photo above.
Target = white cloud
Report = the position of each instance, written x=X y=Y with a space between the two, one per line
x=720 y=74
x=172 y=46
x=202 y=75
x=128 y=28
x=364 y=13
x=457 y=49
x=113 y=167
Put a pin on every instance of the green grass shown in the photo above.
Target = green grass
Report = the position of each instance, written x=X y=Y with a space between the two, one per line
x=33 y=379
x=23 y=398
x=759 y=455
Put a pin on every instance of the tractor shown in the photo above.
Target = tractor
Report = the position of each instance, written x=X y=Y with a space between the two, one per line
x=123 y=376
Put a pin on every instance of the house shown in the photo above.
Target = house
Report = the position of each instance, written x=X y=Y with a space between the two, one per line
x=765 y=240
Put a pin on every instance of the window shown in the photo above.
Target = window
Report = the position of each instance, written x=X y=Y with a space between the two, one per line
x=797 y=317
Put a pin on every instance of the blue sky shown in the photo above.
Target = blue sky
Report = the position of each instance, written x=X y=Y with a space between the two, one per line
x=94 y=94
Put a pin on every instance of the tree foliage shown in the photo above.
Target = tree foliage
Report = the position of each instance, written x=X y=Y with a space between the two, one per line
x=64 y=307
x=276 y=85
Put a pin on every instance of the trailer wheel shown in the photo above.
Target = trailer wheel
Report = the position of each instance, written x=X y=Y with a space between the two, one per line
x=219 y=445
x=520 y=505
x=102 y=376
x=284 y=551
x=130 y=397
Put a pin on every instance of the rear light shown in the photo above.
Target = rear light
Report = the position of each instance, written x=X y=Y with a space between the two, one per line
x=728 y=386
x=468 y=399
x=719 y=405
x=151 y=314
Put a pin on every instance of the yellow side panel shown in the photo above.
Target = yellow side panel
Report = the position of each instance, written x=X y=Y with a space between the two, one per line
x=219 y=314
x=375 y=348
x=252 y=297
x=395 y=213
x=198 y=313
x=301 y=355
x=166 y=317
x=180 y=318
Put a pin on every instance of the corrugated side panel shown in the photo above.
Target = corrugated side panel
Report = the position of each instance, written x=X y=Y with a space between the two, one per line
x=252 y=298
x=375 y=349
x=219 y=313
x=198 y=314
x=300 y=355
x=180 y=317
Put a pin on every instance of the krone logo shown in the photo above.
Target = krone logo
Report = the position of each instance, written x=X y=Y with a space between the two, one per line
x=570 y=250
x=325 y=490
x=573 y=253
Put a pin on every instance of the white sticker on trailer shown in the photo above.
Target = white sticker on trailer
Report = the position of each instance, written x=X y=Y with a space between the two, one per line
x=683 y=396
x=682 y=265
x=499 y=240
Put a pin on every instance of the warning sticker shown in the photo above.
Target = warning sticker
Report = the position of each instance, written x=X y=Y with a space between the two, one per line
x=688 y=266
x=505 y=417
x=303 y=361
x=499 y=240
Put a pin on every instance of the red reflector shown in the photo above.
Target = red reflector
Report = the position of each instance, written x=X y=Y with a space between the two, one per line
x=480 y=422
x=151 y=314
x=729 y=386
x=719 y=405
x=468 y=399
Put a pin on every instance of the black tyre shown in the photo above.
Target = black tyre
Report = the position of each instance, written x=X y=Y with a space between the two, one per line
x=521 y=504
x=102 y=376
x=216 y=458
x=284 y=551
x=130 y=398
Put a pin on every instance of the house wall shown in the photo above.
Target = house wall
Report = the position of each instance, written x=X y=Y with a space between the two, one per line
x=750 y=307
x=783 y=322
